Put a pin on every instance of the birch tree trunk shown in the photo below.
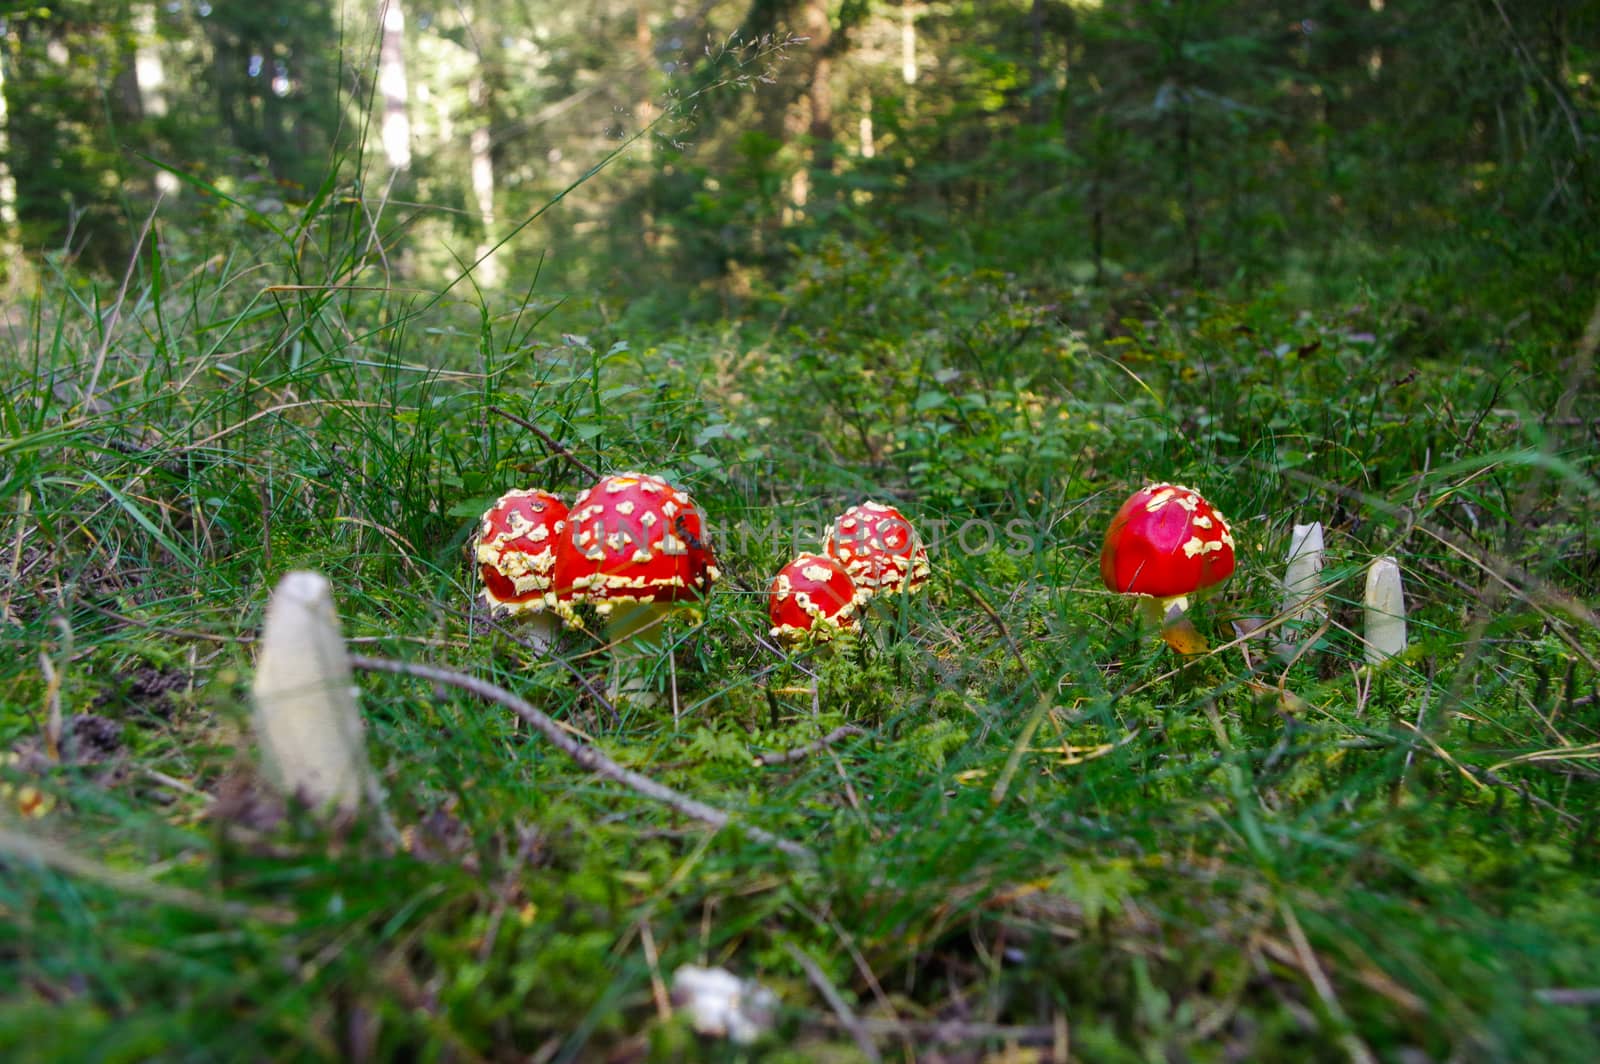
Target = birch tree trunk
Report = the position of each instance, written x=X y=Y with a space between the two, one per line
x=8 y=181
x=150 y=72
x=480 y=148
x=395 y=129
x=908 y=42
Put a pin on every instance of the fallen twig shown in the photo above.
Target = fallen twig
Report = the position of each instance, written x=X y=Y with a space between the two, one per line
x=841 y=1008
x=23 y=848
x=555 y=445
x=800 y=753
x=1003 y=628
x=1306 y=957
x=1579 y=996
x=954 y=1032
x=586 y=756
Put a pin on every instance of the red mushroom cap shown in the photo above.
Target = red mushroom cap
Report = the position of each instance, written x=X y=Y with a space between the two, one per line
x=811 y=596
x=516 y=550
x=1166 y=541
x=878 y=548
x=633 y=538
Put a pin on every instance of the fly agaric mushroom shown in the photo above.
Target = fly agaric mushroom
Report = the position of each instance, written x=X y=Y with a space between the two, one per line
x=516 y=555
x=812 y=598
x=635 y=550
x=878 y=547
x=1165 y=544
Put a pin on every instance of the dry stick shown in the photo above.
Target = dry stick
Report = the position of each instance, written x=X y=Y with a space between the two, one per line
x=24 y=504
x=116 y=308
x=577 y=674
x=800 y=753
x=956 y=1032
x=999 y=623
x=1494 y=779
x=550 y=441
x=586 y=756
x=658 y=986
x=1501 y=573
x=1580 y=996
x=841 y=1008
x=1354 y=1047
x=23 y=848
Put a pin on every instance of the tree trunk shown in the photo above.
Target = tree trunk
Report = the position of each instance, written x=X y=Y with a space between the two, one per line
x=480 y=148
x=645 y=113
x=8 y=181
x=396 y=126
x=127 y=102
x=811 y=115
x=908 y=42
x=149 y=68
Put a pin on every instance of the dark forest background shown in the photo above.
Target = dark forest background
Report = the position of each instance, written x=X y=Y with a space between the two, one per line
x=1430 y=149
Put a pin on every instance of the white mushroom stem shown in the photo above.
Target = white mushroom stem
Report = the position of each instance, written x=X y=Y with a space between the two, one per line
x=1302 y=586
x=1384 y=611
x=541 y=630
x=1171 y=616
x=637 y=634
x=306 y=719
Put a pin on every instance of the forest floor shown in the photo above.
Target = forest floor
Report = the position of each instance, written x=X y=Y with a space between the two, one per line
x=1044 y=833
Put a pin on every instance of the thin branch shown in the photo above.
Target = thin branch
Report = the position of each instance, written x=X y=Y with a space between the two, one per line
x=1004 y=629
x=841 y=1008
x=110 y=326
x=1354 y=1047
x=26 y=849
x=955 y=1032
x=800 y=753
x=550 y=441
x=586 y=756
x=1579 y=996
x=594 y=692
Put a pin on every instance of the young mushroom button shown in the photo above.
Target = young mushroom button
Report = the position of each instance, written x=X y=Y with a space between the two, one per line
x=812 y=598
x=1164 y=544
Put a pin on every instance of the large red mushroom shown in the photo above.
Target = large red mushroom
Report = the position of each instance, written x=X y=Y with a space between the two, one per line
x=878 y=547
x=515 y=552
x=812 y=599
x=636 y=551
x=1165 y=544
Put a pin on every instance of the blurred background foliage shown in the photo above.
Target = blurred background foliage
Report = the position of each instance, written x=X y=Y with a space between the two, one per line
x=1429 y=150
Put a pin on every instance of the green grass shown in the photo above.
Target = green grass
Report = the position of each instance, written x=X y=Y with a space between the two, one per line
x=1050 y=825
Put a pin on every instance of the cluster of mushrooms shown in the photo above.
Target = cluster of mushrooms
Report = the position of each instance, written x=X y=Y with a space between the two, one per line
x=870 y=550
x=633 y=548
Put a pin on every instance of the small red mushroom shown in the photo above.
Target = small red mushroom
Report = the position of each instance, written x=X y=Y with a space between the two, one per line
x=878 y=547
x=812 y=598
x=636 y=551
x=1164 y=544
x=515 y=552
